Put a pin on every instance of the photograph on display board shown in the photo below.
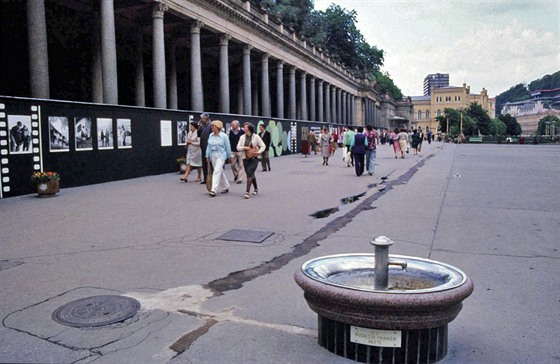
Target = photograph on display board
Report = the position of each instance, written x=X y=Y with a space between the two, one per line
x=182 y=131
x=124 y=133
x=20 y=134
x=105 y=133
x=58 y=134
x=82 y=128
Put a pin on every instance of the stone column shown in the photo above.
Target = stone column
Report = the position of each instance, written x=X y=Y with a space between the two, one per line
x=197 y=94
x=158 y=56
x=140 y=99
x=255 y=95
x=240 y=98
x=303 y=91
x=333 y=105
x=172 y=81
x=280 y=89
x=352 y=110
x=247 y=107
x=312 y=106
x=37 y=48
x=343 y=100
x=321 y=98
x=292 y=92
x=96 y=67
x=265 y=87
x=224 y=74
x=327 y=103
x=109 y=53
x=338 y=105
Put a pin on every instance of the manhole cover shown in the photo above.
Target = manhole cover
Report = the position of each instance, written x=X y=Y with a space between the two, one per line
x=96 y=311
x=245 y=235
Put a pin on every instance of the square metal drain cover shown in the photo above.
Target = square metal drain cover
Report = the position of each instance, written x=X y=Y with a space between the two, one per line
x=245 y=235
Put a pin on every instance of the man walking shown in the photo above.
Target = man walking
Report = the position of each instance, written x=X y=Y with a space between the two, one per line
x=236 y=157
x=265 y=136
x=204 y=130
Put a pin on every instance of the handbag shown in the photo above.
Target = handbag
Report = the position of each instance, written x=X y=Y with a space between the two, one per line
x=252 y=152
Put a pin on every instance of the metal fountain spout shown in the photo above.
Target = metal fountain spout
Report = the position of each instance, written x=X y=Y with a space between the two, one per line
x=382 y=262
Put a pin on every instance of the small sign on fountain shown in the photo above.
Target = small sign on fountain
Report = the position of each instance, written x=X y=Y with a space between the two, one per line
x=381 y=338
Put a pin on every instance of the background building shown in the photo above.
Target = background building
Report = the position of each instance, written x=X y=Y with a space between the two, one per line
x=427 y=108
x=435 y=80
x=529 y=112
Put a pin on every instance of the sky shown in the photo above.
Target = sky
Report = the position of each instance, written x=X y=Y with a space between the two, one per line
x=491 y=44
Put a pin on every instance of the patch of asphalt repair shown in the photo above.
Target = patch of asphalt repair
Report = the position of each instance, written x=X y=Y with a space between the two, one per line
x=236 y=280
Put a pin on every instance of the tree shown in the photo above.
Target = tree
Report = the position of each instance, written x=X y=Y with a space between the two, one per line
x=553 y=123
x=386 y=85
x=482 y=118
x=512 y=126
x=497 y=127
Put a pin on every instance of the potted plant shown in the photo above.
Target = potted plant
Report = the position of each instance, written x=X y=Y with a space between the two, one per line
x=46 y=183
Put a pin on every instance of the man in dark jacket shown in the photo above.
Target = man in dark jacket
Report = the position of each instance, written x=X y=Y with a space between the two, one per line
x=265 y=136
x=204 y=131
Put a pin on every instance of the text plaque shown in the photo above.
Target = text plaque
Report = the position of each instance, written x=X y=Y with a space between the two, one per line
x=373 y=337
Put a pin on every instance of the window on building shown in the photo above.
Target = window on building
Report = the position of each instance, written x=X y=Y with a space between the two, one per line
x=438 y=113
x=419 y=114
x=427 y=114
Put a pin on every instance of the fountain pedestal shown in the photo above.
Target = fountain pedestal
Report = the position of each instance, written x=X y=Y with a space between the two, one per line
x=405 y=324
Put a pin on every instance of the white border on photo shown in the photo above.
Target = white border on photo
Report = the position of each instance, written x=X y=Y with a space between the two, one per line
x=166 y=133
x=83 y=131
x=20 y=143
x=58 y=134
x=124 y=127
x=104 y=127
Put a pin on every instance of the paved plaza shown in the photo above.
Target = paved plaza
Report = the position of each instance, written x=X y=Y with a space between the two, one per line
x=491 y=210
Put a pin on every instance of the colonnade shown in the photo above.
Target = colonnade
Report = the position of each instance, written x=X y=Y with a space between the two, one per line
x=317 y=99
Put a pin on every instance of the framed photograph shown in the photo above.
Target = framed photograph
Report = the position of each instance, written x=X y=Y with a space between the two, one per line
x=124 y=133
x=165 y=129
x=83 y=137
x=58 y=134
x=20 y=134
x=105 y=133
x=182 y=131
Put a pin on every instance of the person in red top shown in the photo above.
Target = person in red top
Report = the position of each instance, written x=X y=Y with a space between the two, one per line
x=371 y=150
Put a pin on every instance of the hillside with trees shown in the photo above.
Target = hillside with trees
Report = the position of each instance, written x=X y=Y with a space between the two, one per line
x=522 y=92
x=335 y=32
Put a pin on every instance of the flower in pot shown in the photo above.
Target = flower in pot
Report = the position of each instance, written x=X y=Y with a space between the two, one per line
x=46 y=183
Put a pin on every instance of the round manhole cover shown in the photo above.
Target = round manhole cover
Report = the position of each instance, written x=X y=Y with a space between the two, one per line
x=96 y=311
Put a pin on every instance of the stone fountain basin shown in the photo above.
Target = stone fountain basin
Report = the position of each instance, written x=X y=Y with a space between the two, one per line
x=427 y=294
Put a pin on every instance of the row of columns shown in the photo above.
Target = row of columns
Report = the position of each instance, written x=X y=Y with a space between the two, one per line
x=327 y=103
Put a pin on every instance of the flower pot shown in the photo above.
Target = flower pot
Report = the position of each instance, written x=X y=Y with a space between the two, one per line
x=47 y=189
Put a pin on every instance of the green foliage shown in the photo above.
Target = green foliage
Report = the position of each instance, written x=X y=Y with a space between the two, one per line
x=454 y=117
x=481 y=117
x=386 y=85
x=522 y=92
x=336 y=33
x=497 y=127
x=549 y=125
x=512 y=126
x=546 y=83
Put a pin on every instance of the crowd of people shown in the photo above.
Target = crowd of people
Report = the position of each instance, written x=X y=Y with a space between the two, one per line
x=209 y=149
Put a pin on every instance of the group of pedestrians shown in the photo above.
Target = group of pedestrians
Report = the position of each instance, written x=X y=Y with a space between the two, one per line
x=209 y=148
x=403 y=141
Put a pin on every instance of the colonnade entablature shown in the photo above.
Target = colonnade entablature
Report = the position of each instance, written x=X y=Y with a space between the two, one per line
x=224 y=56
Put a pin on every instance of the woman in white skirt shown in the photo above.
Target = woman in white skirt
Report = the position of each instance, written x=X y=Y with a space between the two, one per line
x=194 y=154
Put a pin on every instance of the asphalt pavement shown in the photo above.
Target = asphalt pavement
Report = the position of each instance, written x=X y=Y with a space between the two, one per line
x=491 y=210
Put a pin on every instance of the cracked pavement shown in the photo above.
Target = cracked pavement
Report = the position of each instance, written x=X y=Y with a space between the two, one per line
x=491 y=210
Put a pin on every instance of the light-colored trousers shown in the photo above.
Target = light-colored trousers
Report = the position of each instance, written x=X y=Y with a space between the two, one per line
x=370 y=160
x=237 y=166
x=218 y=177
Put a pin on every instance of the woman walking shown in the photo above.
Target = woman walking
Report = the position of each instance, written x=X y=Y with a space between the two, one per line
x=415 y=141
x=325 y=143
x=403 y=142
x=371 y=151
x=217 y=153
x=394 y=139
x=194 y=155
x=252 y=146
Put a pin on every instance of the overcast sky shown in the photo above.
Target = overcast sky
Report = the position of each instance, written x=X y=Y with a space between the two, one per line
x=494 y=44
